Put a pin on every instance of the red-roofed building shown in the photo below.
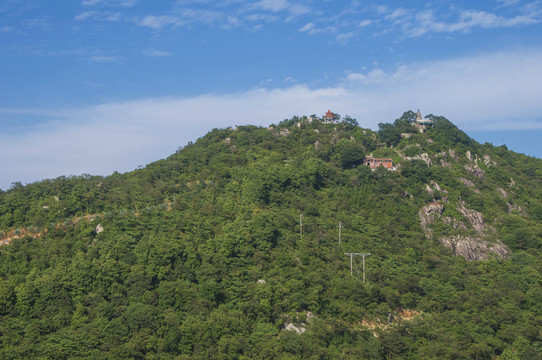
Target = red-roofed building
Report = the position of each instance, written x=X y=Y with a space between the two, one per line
x=330 y=117
x=373 y=162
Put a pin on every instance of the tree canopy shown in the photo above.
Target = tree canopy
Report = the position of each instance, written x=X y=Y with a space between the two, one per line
x=229 y=249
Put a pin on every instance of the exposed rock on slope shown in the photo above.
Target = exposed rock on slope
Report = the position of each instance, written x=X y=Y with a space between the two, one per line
x=478 y=247
x=474 y=248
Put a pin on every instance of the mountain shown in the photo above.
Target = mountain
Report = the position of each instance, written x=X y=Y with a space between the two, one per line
x=236 y=247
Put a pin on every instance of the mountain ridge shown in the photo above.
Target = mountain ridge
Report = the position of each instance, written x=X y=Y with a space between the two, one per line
x=214 y=250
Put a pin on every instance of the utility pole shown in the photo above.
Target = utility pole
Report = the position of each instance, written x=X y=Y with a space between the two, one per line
x=363 y=255
x=340 y=227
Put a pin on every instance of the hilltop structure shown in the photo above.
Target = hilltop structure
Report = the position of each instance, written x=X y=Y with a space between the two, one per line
x=422 y=124
x=330 y=118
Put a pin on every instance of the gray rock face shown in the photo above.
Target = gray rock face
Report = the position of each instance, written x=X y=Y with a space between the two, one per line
x=284 y=132
x=476 y=171
x=454 y=223
x=429 y=213
x=472 y=248
x=298 y=329
x=437 y=187
x=469 y=184
x=488 y=161
x=503 y=193
x=475 y=218
x=479 y=247
x=452 y=154
x=512 y=208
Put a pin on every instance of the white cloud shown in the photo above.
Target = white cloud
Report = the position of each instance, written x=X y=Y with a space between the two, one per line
x=99 y=15
x=189 y=16
x=84 y=15
x=299 y=9
x=425 y=22
x=199 y=15
x=343 y=38
x=121 y=3
x=487 y=20
x=307 y=28
x=397 y=13
x=90 y=2
x=262 y=17
x=157 y=22
x=231 y=22
x=311 y=29
x=382 y=9
x=104 y=58
x=272 y=5
x=365 y=23
x=156 y=53
x=281 y=5
x=491 y=91
x=508 y=2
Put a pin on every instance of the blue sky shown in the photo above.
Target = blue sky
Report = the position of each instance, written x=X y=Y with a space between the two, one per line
x=96 y=86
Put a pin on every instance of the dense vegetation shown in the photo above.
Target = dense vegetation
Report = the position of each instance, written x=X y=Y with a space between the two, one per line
x=201 y=255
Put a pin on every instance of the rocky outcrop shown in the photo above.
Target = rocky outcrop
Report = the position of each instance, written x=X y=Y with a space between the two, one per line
x=480 y=246
x=284 y=132
x=452 y=154
x=437 y=187
x=503 y=193
x=512 y=208
x=423 y=157
x=433 y=187
x=474 y=248
x=476 y=171
x=429 y=213
x=454 y=223
x=298 y=329
x=469 y=184
x=475 y=218
x=488 y=161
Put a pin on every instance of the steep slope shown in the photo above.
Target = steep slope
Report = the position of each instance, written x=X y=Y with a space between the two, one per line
x=217 y=250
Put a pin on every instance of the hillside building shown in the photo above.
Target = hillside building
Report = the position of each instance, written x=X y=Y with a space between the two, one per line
x=373 y=163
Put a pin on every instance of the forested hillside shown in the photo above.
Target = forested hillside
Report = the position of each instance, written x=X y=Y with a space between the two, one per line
x=229 y=249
